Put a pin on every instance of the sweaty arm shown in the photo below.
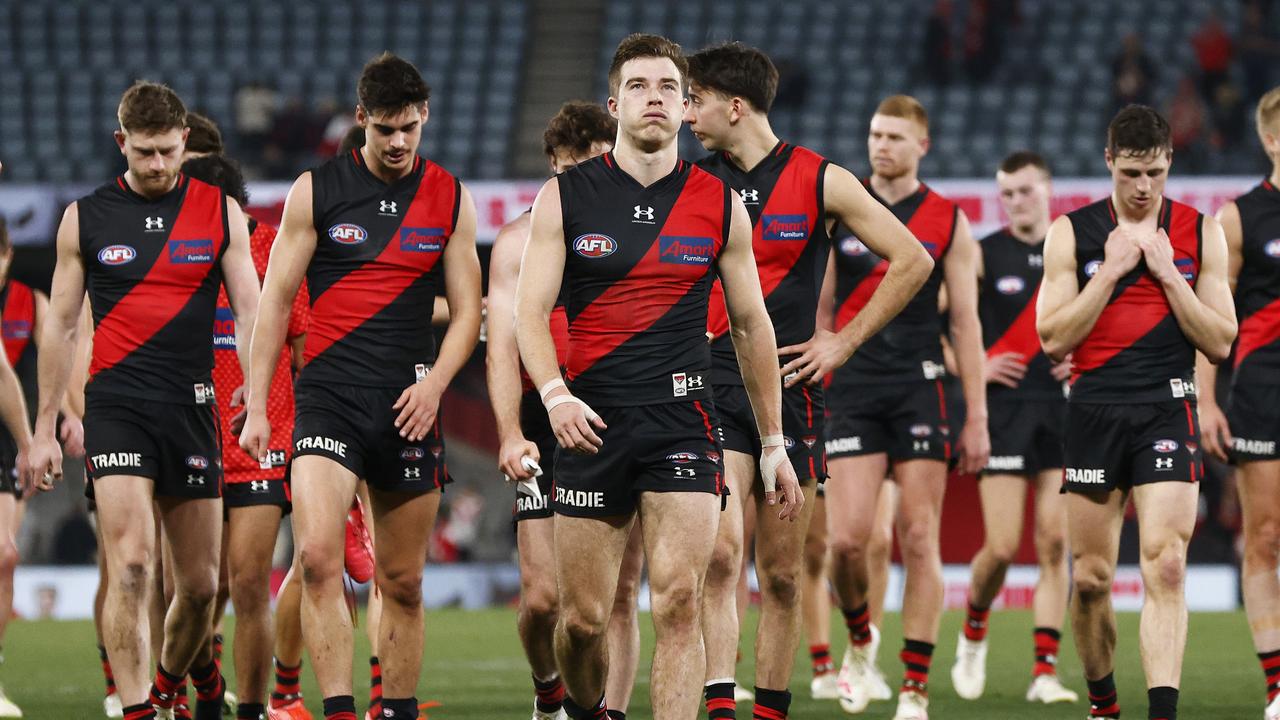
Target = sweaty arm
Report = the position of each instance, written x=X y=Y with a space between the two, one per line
x=1064 y=313
x=241 y=281
x=1207 y=313
x=755 y=343
x=960 y=267
x=1214 y=431
x=502 y=356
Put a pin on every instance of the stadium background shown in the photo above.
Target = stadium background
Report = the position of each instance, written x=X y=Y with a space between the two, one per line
x=995 y=76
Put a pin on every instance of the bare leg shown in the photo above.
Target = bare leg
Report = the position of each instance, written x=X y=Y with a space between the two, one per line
x=1093 y=522
x=923 y=483
x=779 y=566
x=192 y=528
x=624 y=626
x=815 y=595
x=1052 y=585
x=250 y=590
x=720 y=612
x=852 y=495
x=129 y=544
x=1003 y=497
x=880 y=551
x=1260 y=500
x=1166 y=519
x=536 y=617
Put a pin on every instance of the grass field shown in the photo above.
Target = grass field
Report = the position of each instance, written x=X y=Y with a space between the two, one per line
x=474 y=669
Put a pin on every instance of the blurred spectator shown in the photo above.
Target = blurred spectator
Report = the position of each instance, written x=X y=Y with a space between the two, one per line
x=295 y=135
x=986 y=30
x=340 y=121
x=793 y=84
x=75 y=543
x=255 y=108
x=1228 y=114
x=1214 y=51
x=1259 y=51
x=937 y=44
x=1132 y=74
x=1186 y=116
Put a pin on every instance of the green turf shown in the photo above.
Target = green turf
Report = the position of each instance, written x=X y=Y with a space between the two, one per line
x=474 y=669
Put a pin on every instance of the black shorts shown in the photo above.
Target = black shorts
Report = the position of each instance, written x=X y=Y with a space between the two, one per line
x=177 y=446
x=802 y=424
x=355 y=427
x=907 y=421
x=248 y=493
x=670 y=447
x=1115 y=447
x=1026 y=435
x=1254 y=417
x=537 y=430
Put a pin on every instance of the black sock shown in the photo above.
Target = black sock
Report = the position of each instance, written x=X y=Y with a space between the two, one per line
x=577 y=712
x=340 y=706
x=771 y=704
x=1162 y=703
x=400 y=708
x=719 y=700
x=250 y=711
x=141 y=711
x=548 y=694
x=617 y=715
x=1103 y=701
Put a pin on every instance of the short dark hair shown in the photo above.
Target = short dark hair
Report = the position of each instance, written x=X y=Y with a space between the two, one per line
x=150 y=107
x=1019 y=159
x=1138 y=130
x=577 y=126
x=352 y=140
x=219 y=171
x=736 y=70
x=389 y=84
x=204 y=136
x=643 y=45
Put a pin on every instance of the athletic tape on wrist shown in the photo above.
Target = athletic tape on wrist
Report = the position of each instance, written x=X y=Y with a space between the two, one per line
x=770 y=460
x=559 y=400
x=551 y=385
x=772 y=440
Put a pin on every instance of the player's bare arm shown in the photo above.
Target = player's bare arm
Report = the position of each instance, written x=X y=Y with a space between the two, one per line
x=290 y=254
x=1215 y=434
x=754 y=343
x=541 y=270
x=1206 y=313
x=420 y=402
x=61 y=329
x=1064 y=313
x=849 y=203
x=71 y=429
x=502 y=356
x=241 y=281
x=960 y=268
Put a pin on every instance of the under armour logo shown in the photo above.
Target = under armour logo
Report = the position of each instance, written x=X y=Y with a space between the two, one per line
x=155 y=223
x=412 y=473
x=750 y=195
x=643 y=213
x=1164 y=463
x=258 y=486
x=387 y=206
x=195 y=480
x=1035 y=260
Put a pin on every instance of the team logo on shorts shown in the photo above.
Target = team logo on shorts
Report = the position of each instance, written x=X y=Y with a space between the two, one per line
x=809 y=440
x=595 y=245
x=348 y=234
x=197 y=462
x=436 y=450
x=784 y=227
x=713 y=456
x=191 y=252
x=1165 y=446
x=1010 y=285
x=422 y=240
x=1272 y=248
x=920 y=430
x=853 y=246
x=412 y=453
x=686 y=250
x=682 y=457
x=1091 y=268
x=116 y=255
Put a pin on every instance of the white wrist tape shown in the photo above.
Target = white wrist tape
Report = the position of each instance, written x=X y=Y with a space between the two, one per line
x=772 y=440
x=559 y=400
x=551 y=385
x=770 y=460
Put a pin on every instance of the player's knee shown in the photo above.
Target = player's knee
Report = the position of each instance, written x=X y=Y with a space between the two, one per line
x=626 y=598
x=1051 y=548
x=846 y=549
x=539 y=605
x=815 y=555
x=1002 y=553
x=677 y=604
x=198 y=591
x=319 y=566
x=726 y=563
x=8 y=557
x=1091 y=577
x=250 y=591
x=1164 y=568
x=1262 y=542
x=583 y=625
x=919 y=542
x=782 y=587
x=404 y=589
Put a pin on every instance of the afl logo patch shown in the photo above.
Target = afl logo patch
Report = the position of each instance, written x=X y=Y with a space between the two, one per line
x=116 y=254
x=1091 y=268
x=412 y=453
x=1272 y=249
x=594 y=245
x=1165 y=446
x=1010 y=285
x=921 y=430
x=853 y=246
x=348 y=234
x=682 y=457
x=197 y=462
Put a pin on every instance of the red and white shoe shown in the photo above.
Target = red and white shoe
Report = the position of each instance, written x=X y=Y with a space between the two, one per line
x=292 y=710
x=358 y=551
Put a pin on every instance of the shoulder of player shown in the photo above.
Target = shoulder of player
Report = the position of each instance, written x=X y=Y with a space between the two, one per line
x=513 y=232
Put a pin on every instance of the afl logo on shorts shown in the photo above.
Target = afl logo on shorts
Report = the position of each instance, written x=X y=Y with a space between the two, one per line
x=594 y=245
x=116 y=255
x=682 y=457
x=197 y=462
x=1165 y=446
x=412 y=453
x=1272 y=248
x=1091 y=268
x=920 y=430
x=853 y=246
x=348 y=234
x=1010 y=285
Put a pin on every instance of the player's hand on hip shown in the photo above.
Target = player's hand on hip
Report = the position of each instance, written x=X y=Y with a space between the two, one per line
x=511 y=457
x=1061 y=371
x=1121 y=252
x=237 y=401
x=418 y=405
x=575 y=426
x=818 y=356
x=43 y=463
x=974 y=447
x=255 y=438
x=1006 y=369
x=1215 y=432
x=71 y=431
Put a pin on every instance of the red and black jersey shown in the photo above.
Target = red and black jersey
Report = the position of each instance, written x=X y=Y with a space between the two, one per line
x=237 y=466
x=1257 y=354
x=18 y=320
x=783 y=196
x=1136 y=352
x=152 y=271
x=376 y=271
x=639 y=263
x=1012 y=270
x=910 y=346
